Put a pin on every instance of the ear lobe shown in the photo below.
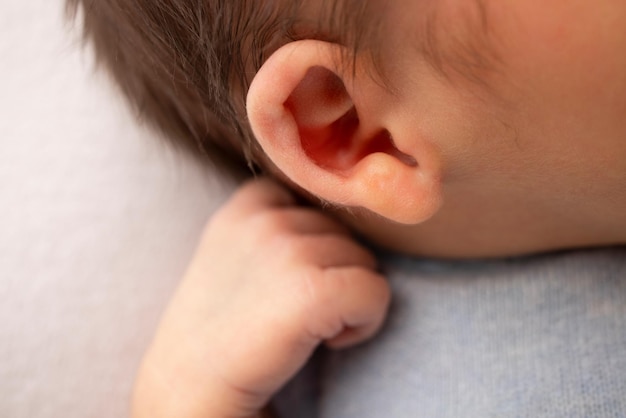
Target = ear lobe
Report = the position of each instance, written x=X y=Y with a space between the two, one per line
x=309 y=125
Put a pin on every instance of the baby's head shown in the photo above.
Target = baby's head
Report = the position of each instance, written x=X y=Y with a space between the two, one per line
x=186 y=65
x=448 y=128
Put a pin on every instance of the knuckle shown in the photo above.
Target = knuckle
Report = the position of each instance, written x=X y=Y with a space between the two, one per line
x=289 y=248
x=259 y=228
x=266 y=226
x=271 y=219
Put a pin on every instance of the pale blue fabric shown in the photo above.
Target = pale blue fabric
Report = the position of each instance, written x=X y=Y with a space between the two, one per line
x=536 y=337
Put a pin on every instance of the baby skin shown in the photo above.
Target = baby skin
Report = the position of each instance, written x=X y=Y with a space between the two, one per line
x=269 y=282
x=508 y=138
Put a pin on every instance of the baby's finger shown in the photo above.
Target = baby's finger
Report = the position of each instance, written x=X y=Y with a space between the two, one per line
x=302 y=221
x=256 y=195
x=329 y=251
x=358 y=298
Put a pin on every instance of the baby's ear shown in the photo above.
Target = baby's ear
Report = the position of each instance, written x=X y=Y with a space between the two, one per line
x=326 y=130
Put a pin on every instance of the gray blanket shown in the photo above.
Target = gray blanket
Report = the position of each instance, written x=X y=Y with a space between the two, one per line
x=541 y=336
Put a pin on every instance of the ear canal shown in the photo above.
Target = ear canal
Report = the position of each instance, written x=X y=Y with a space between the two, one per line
x=329 y=125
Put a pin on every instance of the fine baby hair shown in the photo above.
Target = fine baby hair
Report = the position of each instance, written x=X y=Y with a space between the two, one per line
x=186 y=66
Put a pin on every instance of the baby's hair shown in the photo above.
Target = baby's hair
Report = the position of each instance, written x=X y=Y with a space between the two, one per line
x=186 y=65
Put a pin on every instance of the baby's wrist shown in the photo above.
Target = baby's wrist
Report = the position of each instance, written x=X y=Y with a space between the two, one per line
x=163 y=391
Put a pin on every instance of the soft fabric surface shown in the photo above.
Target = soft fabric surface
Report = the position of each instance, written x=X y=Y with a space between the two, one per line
x=532 y=337
x=97 y=221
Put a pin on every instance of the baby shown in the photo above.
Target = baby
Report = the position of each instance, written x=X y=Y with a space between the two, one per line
x=460 y=129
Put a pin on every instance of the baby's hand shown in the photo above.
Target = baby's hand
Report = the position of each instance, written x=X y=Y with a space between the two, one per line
x=269 y=282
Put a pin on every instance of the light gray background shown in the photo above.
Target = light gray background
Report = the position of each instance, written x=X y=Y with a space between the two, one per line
x=97 y=221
